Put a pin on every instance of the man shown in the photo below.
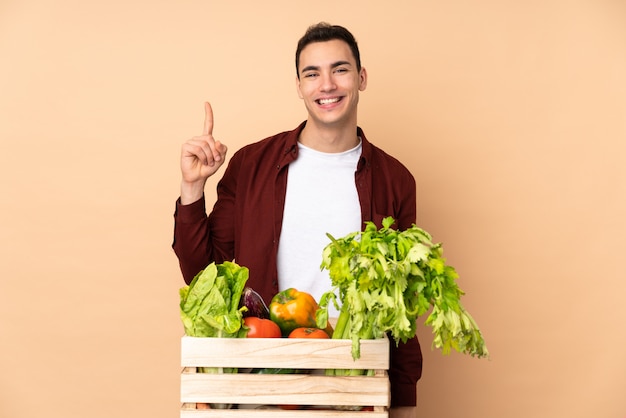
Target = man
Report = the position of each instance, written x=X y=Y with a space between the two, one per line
x=280 y=196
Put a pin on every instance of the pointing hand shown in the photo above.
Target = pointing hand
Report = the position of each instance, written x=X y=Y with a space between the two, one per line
x=201 y=157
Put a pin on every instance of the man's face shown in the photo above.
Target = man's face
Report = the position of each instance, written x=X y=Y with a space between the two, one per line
x=330 y=82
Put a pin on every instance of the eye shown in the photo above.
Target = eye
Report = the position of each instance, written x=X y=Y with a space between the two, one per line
x=341 y=70
x=310 y=75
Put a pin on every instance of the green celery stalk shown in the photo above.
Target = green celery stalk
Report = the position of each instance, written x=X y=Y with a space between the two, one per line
x=389 y=278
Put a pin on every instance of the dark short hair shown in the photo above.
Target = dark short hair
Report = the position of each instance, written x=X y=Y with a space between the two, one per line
x=324 y=32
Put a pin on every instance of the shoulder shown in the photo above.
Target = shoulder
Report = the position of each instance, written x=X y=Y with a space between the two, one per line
x=278 y=144
x=379 y=159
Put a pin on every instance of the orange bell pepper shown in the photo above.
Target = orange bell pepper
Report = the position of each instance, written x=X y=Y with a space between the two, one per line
x=292 y=309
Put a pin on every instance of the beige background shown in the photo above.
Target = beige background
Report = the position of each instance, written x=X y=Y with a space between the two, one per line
x=510 y=114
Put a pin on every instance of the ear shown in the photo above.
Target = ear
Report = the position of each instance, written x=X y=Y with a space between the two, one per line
x=362 y=79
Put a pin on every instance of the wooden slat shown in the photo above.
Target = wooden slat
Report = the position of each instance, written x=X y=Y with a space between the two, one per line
x=250 y=390
x=299 y=353
x=277 y=413
x=296 y=389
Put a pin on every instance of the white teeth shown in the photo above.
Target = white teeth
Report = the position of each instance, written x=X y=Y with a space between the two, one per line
x=328 y=101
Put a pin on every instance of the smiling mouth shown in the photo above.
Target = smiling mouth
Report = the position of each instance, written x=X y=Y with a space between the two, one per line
x=328 y=101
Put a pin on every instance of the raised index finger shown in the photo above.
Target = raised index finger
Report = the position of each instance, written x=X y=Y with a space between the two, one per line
x=208 y=119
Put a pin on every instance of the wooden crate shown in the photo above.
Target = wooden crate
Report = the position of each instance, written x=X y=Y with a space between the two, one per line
x=318 y=393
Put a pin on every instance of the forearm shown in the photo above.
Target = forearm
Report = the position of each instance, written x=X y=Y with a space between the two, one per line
x=191 y=192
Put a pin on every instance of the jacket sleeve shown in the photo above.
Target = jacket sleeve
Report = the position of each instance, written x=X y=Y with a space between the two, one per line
x=406 y=196
x=200 y=239
x=405 y=369
x=406 y=358
x=191 y=238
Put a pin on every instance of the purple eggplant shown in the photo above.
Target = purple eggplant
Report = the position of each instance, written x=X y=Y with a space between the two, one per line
x=255 y=304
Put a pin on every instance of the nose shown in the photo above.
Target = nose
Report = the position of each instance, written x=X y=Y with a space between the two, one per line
x=327 y=82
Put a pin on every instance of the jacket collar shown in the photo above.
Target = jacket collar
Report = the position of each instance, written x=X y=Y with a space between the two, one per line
x=291 y=145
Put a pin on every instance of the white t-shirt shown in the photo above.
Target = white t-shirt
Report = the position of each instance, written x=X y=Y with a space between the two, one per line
x=321 y=198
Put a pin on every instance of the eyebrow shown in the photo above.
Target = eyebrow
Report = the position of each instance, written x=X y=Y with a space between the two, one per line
x=317 y=68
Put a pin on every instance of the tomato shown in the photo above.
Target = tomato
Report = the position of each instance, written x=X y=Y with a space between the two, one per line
x=261 y=328
x=306 y=332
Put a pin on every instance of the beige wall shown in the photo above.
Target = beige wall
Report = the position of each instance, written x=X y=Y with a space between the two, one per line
x=511 y=115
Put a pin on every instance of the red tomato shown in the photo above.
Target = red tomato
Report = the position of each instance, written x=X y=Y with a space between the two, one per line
x=305 y=332
x=261 y=328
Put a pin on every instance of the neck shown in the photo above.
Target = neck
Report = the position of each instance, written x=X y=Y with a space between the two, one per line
x=328 y=139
